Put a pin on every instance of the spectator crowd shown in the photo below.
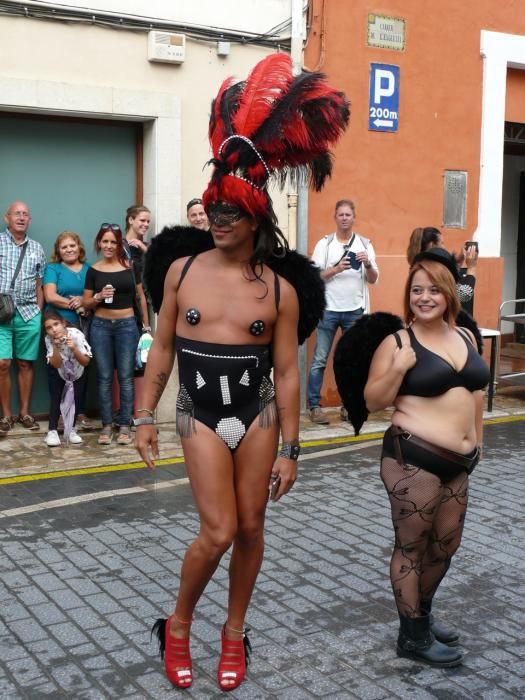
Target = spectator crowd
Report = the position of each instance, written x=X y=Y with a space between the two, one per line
x=83 y=311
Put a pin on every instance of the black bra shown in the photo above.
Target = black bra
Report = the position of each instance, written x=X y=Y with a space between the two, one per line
x=433 y=376
x=193 y=316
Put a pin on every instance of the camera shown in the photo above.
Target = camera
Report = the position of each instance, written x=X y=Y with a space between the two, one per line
x=472 y=244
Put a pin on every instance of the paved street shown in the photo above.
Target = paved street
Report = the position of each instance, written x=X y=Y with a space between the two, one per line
x=88 y=562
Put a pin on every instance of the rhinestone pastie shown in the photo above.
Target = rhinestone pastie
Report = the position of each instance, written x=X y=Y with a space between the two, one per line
x=257 y=328
x=193 y=316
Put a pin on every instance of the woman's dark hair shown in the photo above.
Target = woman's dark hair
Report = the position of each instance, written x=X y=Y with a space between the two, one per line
x=54 y=316
x=269 y=242
x=421 y=239
x=117 y=232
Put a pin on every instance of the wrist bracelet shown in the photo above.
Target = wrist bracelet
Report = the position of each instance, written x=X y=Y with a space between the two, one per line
x=368 y=265
x=145 y=410
x=290 y=450
x=143 y=421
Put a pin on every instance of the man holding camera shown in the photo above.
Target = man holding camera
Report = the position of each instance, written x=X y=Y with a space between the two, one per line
x=348 y=265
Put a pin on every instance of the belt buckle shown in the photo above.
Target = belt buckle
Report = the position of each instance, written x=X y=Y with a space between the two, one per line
x=406 y=435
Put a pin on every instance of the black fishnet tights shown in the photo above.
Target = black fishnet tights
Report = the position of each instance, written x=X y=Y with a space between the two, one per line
x=428 y=517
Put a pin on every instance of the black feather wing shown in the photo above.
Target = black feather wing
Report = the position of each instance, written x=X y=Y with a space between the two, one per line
x=352 y=358
x=171 y=243
x=465 y=320
x=306 y=279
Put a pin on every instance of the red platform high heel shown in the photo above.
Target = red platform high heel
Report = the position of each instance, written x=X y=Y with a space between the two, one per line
x=235 y=657
x=175 y=652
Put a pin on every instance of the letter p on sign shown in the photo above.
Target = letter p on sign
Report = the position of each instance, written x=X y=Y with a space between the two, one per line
x=384 y=85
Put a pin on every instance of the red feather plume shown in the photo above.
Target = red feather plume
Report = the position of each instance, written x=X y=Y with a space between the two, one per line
x=284 y=124
x=266 y=84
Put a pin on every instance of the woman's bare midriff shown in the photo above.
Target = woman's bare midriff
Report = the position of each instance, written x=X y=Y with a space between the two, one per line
x=113 y=314
x=447 y=420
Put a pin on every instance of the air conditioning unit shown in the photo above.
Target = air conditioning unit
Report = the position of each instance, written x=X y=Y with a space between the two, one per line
x=166 y=48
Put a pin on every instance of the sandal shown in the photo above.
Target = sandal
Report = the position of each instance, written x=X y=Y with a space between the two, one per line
x=235 y=656
x=84 y=422
x=28 y=422
x=105 y=436
x=124 y=436
x=175 y=652
x=6 y=423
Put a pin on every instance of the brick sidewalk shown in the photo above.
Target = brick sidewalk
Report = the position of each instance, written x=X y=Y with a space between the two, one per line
x=81 y=585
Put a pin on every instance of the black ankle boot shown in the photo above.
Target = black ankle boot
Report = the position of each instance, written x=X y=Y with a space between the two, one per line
x=445 y=635
x=417 y=642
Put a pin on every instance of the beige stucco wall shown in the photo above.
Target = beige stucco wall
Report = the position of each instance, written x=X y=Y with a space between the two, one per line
x=89 y=71
x=53 y=58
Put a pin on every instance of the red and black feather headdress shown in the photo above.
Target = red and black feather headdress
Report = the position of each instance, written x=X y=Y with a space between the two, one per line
x=272 y=125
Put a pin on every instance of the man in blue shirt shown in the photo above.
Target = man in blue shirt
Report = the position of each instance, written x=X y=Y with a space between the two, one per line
x=20 y=337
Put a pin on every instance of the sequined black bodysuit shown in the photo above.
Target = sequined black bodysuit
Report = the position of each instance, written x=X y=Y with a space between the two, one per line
x=226 y=387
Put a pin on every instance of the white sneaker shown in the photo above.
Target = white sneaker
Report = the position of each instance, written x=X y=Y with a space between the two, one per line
x=52 y=439
x=74 y=438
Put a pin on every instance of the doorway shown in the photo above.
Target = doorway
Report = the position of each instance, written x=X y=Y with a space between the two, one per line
x=74 y=174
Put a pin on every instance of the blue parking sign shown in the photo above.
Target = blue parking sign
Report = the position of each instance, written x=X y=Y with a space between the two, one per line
x=383 y=105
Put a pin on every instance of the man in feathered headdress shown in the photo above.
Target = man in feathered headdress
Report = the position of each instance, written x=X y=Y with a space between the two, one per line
x=235 y=316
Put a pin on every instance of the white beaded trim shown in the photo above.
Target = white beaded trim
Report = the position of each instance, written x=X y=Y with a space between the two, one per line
x=225 y=389
x=252 y=146
x=222 y=357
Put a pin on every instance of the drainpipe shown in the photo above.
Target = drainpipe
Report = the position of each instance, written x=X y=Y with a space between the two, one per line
x=298 y=200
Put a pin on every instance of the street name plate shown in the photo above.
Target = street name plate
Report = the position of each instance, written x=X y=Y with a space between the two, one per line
x=386 y=32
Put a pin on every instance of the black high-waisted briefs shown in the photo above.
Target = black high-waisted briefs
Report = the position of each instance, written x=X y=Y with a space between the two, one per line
x=445 y=464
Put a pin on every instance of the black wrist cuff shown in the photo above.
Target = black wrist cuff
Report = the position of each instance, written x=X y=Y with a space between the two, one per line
x=290 y=450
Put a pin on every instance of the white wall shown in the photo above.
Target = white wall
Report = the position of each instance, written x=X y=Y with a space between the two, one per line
x=50 y=67
x=254 y=16
x=82 y=70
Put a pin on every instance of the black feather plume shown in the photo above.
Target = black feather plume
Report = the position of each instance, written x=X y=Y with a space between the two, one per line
x=465 y=320
x=172 y=242
x=352 y=358
x=305 y=278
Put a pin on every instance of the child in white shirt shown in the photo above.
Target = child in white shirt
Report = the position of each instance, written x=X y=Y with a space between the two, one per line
x=68 y=351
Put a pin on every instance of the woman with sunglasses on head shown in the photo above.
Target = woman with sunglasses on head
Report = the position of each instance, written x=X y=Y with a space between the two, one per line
x=434 y=378
x=110 y=292
x=230 y=318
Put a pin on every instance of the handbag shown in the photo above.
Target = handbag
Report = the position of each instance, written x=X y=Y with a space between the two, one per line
x=7 y=301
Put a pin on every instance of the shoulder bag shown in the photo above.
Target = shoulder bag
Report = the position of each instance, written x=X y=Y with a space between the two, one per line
x=7 y=301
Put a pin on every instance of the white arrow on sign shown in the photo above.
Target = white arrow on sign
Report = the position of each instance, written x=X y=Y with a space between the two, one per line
x=383 y=122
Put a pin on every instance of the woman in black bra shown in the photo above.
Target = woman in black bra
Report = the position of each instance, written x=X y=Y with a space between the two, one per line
x=434 y=378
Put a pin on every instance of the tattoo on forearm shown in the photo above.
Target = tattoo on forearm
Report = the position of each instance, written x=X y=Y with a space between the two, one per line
x=160 y=382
